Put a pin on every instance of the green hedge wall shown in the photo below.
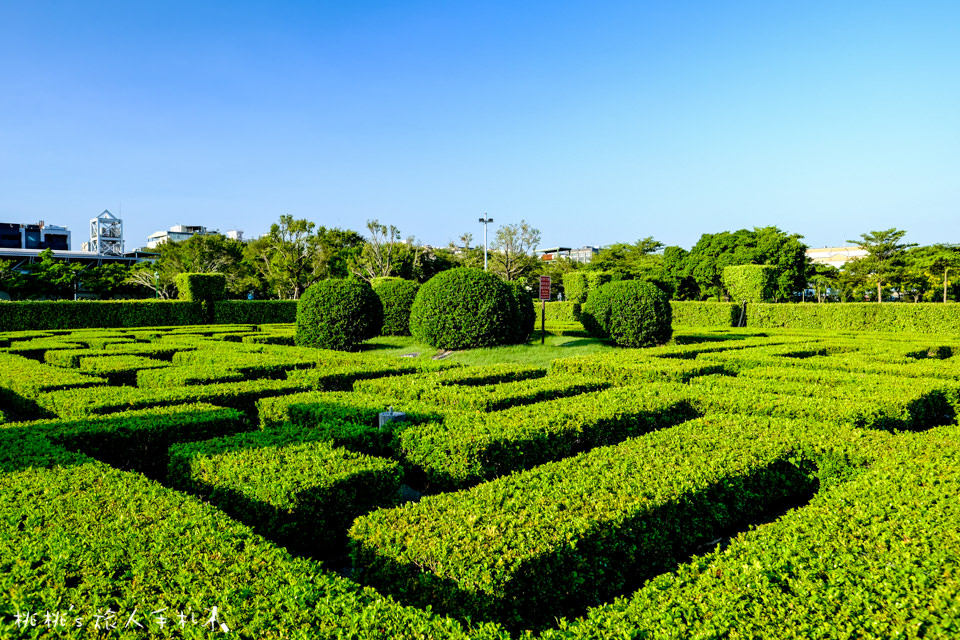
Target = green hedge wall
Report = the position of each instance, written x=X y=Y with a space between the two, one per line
x=858 y=316
x=705 y=314
x=559 y=311
x=750 y=282
x=201 y=286
x=78 y=314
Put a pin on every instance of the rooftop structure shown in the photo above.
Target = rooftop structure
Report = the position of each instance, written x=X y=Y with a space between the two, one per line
x=836 y=256
x=583 y=254
x=40 y=236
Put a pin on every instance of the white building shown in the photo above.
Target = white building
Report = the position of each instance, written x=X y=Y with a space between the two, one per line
x=836 y=256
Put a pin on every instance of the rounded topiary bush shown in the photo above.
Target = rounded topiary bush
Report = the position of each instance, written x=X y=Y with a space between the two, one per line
x=638 y=314
x=526 y=319
x=595 y=312
x=397 y=296
x=464 y=308
x=338 y=314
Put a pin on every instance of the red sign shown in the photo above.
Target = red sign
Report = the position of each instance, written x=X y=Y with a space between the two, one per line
x=544 y=287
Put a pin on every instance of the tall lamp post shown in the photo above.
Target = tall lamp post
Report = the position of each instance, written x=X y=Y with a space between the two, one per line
x=485 y=220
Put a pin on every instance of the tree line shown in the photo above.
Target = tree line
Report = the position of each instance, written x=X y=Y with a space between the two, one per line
x=281 y=264
x=295 y=253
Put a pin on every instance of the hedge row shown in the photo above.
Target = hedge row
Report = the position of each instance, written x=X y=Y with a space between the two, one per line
x=69 y=314
x=631 y=370
x=345 y=419
x=567 y=312
x=78 y=314
x=523 y=549
x=119 y=369
x=468 y=448
x=705 y=314
x=74 y=403
x=859 y=316
x=875 y=557
x=906 y=404
x=98 y=538
x=288 y=486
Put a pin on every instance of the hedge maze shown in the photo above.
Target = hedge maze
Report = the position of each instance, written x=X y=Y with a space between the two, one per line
x=218 y=480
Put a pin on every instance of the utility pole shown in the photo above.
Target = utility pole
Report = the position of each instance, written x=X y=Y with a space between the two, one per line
x=485 y=220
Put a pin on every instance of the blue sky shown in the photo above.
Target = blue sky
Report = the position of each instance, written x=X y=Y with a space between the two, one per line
x=596 y=122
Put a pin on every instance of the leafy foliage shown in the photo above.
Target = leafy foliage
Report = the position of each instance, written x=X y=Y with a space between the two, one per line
x=338 y=314
x=463 y=309
x=639 y=314
x=750 y=282
x=201 y=287
x=397 y=296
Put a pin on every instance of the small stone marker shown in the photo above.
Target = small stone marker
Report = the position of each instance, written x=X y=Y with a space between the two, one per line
x=388 y=416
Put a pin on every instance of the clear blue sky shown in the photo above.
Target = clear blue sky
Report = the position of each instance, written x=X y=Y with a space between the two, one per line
x=595 y=122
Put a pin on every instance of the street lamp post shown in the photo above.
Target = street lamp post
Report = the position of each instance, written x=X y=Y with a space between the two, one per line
x=156 y=284
x=485 y=220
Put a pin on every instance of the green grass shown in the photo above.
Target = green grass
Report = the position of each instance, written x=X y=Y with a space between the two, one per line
x=532 y=353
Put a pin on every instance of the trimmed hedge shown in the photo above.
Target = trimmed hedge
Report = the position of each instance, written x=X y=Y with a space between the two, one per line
x=523 y=549
x=288 y=486
x=563 y=312
x=526 y=316
x=98 y=538
x=639 y=314
x=201 y=287
x=859 y=316
x=468 y=448
x=875 y=557
x=705 y=314
x=338 y=314
x=577 y=285
x=464 y=308
x=76 y=314
x=750 y=282
x=397 y=296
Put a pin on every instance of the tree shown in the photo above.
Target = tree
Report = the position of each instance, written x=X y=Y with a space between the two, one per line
x=50 y=277
x=292 y=256
x=375 y=261
x=512 y=251
x=107 y=280
x=823 y=277
x=12 y=281
x=764 y=245
x=630 y=261
x=885 y=257
x=934 y=263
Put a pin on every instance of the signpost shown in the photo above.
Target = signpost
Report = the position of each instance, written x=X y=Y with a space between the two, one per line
x=544 y=296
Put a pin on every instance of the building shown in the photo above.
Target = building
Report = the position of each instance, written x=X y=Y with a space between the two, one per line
x=40 y=236
x=836 y=256
x=181 y=232
x=583 y=254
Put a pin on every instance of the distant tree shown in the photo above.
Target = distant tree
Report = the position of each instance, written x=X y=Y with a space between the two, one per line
x=934 y=264
x=147 y=275
x=13 y=281
x=376 y=259
x=674 y=274
x=51 y=277
x=108 y=280
x=885 y=259
x=765 y=245
x=293 y=255
x=512 y=251
x=823 y=277
x=630 y=261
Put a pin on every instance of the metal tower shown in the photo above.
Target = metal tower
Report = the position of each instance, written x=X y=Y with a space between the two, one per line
x=106 y=235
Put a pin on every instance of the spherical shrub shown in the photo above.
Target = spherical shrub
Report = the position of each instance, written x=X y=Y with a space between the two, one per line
x=638 y=314
x=526 y=314
x=464 y=308
x=595 y=312
x=397 y=296
x=338 y=314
